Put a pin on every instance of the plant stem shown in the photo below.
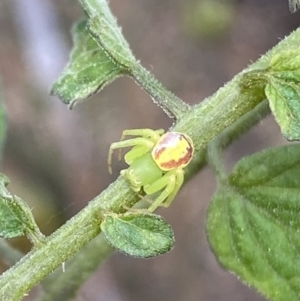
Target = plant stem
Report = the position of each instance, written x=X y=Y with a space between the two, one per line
x=203 y=123
x=173 y=106
x=78 y=231
x=230 y=134
x=64 y=285
x=64 y=243
x=103 y=27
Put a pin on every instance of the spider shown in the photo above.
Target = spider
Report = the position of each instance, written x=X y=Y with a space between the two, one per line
x=156 y=162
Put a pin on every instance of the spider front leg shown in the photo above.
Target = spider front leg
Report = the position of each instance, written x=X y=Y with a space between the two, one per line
x=141 y=144
x=171 y=182
x=154 y=135
x=148 y=134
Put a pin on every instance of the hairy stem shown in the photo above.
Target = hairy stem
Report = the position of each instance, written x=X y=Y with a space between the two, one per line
x=203 y=123
x=103 y=26
x=173 y=106
x=233 y=132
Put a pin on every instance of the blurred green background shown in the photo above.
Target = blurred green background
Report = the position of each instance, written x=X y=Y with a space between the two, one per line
x=57 y=158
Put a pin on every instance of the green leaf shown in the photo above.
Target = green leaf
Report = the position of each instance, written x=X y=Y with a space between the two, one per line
x=10 y=226
x=287 y=60
x=286 y=65
x=89 y=70
x=283 y=91
x=138 y=234
x=253 y=222
x=284 y=98
x=104 y=28
x=16 y=218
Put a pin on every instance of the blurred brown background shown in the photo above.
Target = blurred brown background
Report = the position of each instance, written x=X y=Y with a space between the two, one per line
x=56 y=158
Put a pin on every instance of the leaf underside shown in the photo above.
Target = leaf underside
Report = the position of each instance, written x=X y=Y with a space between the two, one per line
x=253 y=222
x=89 y=70
x=16 y=218
x=283 y=91
x=138 y=234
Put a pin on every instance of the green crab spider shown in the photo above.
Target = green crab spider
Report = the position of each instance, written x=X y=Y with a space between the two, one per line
x=156 y=162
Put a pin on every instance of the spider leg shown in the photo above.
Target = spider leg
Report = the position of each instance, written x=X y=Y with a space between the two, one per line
x=171 y=182
x=127 y=143
x=153 y=135
x=178 y=184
